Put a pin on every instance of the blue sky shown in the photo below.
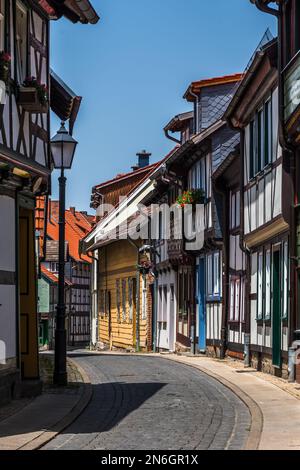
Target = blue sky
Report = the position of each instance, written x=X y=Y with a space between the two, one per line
x=132 y=69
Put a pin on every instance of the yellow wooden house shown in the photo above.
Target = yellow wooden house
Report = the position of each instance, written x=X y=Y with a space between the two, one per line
x=124 y=298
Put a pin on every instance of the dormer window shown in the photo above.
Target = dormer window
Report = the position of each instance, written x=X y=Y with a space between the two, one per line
x=21 y=41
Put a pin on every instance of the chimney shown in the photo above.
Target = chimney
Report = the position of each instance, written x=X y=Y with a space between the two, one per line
x=73 y=210
x=143 y=160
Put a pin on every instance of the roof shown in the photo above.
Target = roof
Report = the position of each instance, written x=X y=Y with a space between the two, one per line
x=177 y=122
x=53 y=278
x=269 y=49
x=64 y=102
x=196 y=87
x=130 y=197
x=75 y=10
x=125 y=176
x=78 y=225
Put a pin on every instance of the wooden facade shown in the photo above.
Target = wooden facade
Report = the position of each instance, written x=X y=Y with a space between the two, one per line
x=124 y=306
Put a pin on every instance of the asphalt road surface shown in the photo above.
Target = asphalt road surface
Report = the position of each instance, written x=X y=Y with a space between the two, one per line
x=151 y=403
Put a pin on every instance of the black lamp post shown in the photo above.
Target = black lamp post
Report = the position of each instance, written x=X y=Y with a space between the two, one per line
x=63 y=148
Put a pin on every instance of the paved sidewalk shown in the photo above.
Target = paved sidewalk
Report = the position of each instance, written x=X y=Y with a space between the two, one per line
x=274 y=404
x=30 y=424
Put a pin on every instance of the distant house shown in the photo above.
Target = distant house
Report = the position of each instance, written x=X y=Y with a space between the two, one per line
x=122 y=300
x=78 y=277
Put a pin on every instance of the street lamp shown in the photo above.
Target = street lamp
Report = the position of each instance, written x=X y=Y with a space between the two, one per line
x=63 y=148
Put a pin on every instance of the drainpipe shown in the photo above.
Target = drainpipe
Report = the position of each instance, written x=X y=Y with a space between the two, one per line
x=225 y=263
x=246 y=251
x=168 y=136
x=197 y=110
x=288 y=158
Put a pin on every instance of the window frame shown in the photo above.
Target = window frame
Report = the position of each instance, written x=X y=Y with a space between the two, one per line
x=261 y=139
x=214 y=276
x=21 y=56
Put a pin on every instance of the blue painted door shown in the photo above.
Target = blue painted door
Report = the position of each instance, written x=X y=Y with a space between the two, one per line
x=201 y=304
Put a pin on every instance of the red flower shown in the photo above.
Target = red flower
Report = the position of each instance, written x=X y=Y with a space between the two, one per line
x=5 y=57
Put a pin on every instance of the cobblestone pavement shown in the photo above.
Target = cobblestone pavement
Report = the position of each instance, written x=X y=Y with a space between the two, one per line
x=150 y=403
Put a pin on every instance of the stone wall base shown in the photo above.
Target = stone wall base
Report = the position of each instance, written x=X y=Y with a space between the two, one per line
x=263 y=363
x=213 y=351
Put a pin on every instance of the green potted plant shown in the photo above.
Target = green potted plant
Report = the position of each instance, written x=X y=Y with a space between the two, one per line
x=33 y=96
x=191 y=197
x=5 y=61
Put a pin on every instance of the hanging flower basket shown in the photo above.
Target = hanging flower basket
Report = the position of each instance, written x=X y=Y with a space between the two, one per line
x=33 y=96
x=5 y=61
x=191 y=197
x=145 y=267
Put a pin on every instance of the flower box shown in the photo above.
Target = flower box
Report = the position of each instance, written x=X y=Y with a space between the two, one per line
x=28 y=98
x=191 y=197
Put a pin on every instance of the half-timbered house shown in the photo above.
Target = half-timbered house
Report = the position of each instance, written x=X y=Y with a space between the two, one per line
x=78 y=275
x=226 y=181
x=206 y=142
x=288 y=15
x=266 y=212
x=24 y=173
x=121 y=281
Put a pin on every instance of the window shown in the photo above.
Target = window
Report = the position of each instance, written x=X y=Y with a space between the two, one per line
x=118 y=300
x=268 y=133
x=213 y=275
x=21 y=41
x=130 y=298
x=102 y=303
x=285 y=280
x=216 y=274
x=2 y=25
x=196 y=178
x=209 y=275
x=235 y=210
x=260 y=287
x=268 y=285
x=124 y=299
x=261 y=139
x=236 y=306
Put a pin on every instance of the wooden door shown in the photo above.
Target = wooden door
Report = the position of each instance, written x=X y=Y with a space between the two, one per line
x=28 y=298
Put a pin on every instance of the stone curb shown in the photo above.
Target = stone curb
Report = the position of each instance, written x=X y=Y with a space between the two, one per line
x=67 y=420
x=257 y=419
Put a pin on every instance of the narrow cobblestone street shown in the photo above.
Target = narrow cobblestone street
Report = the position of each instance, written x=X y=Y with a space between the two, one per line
x=151 y=403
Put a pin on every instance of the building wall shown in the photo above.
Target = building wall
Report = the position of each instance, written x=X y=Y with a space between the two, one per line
x=117 y=314
x=8 y=320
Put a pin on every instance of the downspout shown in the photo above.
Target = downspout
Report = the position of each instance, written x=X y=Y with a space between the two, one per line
x=288 y=154
x=246 y=251
x=168 y=136
x=197 y=110
x=225 y=262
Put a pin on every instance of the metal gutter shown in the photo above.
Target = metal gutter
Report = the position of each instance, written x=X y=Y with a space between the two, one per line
x=87 y=10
